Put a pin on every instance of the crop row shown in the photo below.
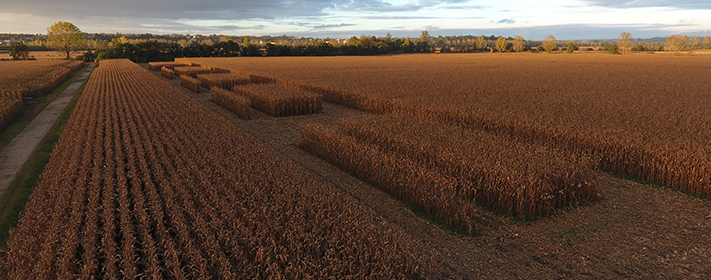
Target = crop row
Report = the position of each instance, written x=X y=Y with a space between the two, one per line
x=237 y=104
x=155 y=66
x=223 y=80
x=655 y=126
x=447 y=199
x=517 y=178
x=279 y=101
x=10 y=108
x=137 y=186
x=34 y=78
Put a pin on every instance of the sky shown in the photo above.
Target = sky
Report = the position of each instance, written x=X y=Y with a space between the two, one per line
x=566 y=20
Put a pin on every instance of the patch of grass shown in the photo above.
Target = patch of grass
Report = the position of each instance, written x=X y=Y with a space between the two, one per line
x=30 y=111
x=659 y=186
x=17 y=194
x=580 y=233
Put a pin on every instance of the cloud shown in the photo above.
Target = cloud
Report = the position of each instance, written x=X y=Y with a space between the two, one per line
x=172 y=9
x=682 y=4
x=398 y=17
x=384 y=6
x=328 y=26
x=507 y=21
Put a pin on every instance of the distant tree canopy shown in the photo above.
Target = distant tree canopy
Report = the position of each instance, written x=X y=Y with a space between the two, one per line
x=676 y=43
x=550 y=43
x=19 y=50
x=65 y=37
x=501 y=44
x=624 y=42
x=571 y=47
x=143 y=50
x=480 y=43
x=518 y=44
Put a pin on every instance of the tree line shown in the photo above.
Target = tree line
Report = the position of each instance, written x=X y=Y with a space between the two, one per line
x=142 y=48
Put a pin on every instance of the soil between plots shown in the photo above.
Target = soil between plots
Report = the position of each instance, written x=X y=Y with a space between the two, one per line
x=633 y=231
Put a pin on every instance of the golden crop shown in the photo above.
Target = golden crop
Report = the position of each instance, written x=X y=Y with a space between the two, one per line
x=645 y=116
x=279 y=101
x=190 y=83
x=223 y=80
x=237 y=104
x=192 y=71
x=10 y=108
x=155 y=66
x=146 y=182
x=29 y=79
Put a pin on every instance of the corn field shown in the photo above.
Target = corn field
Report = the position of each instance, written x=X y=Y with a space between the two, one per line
x=138 y=186
x=643 y=116
x=20 y=79
x=10 y=108
x=190 y=83
x=155 y=66
x=279 y=101
x=223 y=80
x=517 y=178
x=447 y=199
x=34 y=78
x=192 y=71
x=237 y=104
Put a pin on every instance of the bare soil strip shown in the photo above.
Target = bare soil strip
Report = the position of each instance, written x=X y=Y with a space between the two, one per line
x=16 y=154
x=633 y=231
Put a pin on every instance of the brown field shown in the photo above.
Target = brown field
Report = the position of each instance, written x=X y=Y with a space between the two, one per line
x=29 y=79
x=237 y=104
x=474 y=166
x=138 y=186
x=642 y=115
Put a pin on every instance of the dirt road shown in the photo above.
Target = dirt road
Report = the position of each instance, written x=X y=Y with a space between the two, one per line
x=15 y=155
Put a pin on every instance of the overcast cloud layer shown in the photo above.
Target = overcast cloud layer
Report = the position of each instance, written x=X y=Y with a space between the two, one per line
x=535 y=20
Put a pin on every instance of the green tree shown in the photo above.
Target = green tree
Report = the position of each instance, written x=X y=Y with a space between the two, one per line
x=613 y=49
x=501 y=44
x=676 y=43
x=65 y=37
x=407 y=46
x=570 y=48
x=246 y=42
x=480 y=43
x=707 y=42
x=422 y=44
x=518 y=44
x=550 y=43
x=18 y=50
x=624 y=42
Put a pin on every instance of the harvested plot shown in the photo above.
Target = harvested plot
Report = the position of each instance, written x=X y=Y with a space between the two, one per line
x=237 y=104
x=655 y=127
x=279 y=101
x=137 y=186
x=223 y=80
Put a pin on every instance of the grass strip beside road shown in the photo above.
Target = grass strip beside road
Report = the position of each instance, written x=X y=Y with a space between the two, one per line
x=17 y=194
